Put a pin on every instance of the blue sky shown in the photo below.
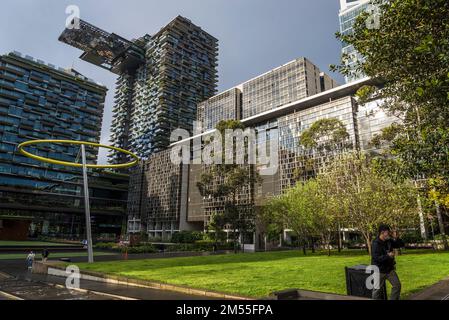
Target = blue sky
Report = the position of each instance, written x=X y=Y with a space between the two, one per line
x=254 y=35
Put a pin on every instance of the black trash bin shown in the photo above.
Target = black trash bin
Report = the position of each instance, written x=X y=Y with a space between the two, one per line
x=356 y=283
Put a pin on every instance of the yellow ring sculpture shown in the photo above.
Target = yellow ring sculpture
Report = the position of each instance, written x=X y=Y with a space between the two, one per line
x=73 y=164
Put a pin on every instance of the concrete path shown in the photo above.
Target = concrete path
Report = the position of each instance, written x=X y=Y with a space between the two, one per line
x=25 y=288
x=439 y=291
x=23 y=284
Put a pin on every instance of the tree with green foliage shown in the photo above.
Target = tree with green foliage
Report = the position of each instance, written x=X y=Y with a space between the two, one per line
x=326 y=136
x=366 y=198
x=216 y=225
x=304 y=210
x=271 y=216
x=226 y=181
x=324 y=141
x=349 y=191
x=408 y=54
x=292 y=211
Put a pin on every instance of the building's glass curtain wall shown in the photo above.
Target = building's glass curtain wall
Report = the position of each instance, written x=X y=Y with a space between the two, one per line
x=297 y=163
x=286 y=84
x=349 y=11
x=154 y=199
x=225 y=106
x=291 y=82
x=40 y=101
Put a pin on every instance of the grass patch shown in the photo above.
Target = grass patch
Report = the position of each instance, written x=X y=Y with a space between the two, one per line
x=33 y=243
x=257 y=275
x=57 y=255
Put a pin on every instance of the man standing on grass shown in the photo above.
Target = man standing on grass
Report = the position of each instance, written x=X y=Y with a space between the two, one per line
x=383 y=256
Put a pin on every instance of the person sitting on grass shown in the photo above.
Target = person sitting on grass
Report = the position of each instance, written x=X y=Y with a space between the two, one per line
x=383 y=256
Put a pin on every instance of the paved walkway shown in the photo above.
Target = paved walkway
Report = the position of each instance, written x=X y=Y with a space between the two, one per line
x=439 y=291
x=23 y=287
x=26 y=285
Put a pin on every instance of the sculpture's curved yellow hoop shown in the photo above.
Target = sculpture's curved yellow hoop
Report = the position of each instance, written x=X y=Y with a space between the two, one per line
x=73 y=164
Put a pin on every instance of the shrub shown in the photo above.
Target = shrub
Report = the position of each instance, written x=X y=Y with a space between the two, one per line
x=205 y=242
x=147 y=248
x=155 y=239
x=204 y=245
x=228 y=246
x=187 y=237
x=180 y=247
x=106 y=245
x=198 y=246
x=439 y=237
x=411 y=237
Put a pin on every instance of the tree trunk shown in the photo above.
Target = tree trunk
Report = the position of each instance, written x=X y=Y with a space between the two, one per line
x=422 y=224
x=339 y=238
x=441 y=224
x=368 y=243
x=301 y=243
x=235 y=241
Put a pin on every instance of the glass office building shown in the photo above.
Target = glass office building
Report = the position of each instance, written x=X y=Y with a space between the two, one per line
x=155 y=196
x=283 y=124
x=293 y=81
x=349 y=11
x=224 y=106
x=40 y=101
x=279 y=87
x=295 y=162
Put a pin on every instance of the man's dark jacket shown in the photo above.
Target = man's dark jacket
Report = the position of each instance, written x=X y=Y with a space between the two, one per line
x=379 y=253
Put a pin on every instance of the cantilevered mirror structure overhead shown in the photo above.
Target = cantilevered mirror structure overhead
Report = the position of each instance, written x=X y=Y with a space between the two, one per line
x=161 y=79
x=104 y=49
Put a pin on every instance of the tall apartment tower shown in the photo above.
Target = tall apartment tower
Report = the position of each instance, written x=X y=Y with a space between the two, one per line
x=40 y=101
x=349 y=11
x=161 y=80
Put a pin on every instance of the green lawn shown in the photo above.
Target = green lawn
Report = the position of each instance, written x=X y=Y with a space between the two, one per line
x=259 y=274
x=56 y=255
x=32 y=243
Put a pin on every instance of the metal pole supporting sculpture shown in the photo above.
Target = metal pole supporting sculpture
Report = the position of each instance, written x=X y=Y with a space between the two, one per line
x=84 y=167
